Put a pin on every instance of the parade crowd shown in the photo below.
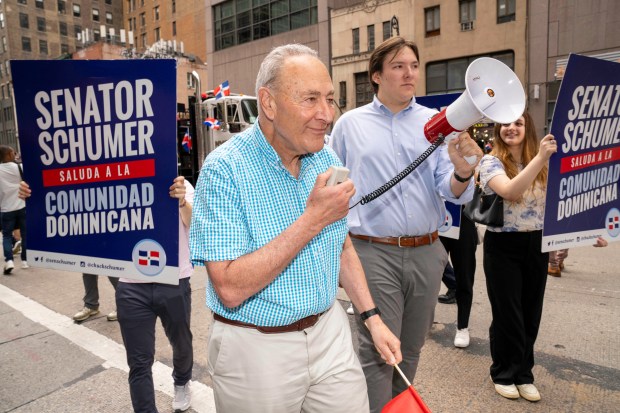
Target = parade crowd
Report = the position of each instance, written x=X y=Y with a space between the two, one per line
x=278 y=243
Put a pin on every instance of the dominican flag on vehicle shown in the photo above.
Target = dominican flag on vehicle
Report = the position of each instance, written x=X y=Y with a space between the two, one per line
x=222 y=90
x=212 y=123
x=148 y=258
x=187 y=142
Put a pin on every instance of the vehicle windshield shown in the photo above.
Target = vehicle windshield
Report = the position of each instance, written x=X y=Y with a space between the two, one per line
x=250 y=110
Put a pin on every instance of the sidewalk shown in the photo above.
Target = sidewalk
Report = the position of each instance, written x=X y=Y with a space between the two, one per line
x=51 y=364
x=48 y=363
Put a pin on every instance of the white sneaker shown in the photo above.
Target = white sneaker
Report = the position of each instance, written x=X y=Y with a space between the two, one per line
x=350 y=310
x=8 y=267
x=17 y=248
x=182 y=398
x=529 y=392
x=461 y=340
x=509 y=391
x=25 y=265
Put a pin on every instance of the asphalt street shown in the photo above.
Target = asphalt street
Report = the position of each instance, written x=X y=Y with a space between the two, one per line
x=48 y=363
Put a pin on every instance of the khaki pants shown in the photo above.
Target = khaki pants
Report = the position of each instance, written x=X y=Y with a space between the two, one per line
x=315 y=370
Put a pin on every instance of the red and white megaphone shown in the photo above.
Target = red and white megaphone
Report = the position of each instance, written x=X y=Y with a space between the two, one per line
x=493 y=91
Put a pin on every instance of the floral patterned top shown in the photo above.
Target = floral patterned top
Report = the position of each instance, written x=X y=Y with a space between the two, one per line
x=527 y=214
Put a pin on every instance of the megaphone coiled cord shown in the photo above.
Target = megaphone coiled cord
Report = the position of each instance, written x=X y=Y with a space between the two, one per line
x=412 y=167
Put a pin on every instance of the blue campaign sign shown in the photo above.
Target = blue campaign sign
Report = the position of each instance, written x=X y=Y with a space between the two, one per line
x=452 y=223
x=582 y=192
x=98 y=142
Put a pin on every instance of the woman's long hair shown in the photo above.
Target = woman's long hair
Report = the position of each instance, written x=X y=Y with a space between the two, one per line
x=530 y=150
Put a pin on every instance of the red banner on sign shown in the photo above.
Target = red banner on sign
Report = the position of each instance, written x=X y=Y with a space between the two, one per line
x=99 y=173
x=585 y=160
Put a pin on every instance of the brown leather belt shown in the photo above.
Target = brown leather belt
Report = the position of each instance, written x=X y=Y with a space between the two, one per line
x=404 y=241
x=298 y=325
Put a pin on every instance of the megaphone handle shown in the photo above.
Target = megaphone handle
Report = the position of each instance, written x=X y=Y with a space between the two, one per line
x=387 y=186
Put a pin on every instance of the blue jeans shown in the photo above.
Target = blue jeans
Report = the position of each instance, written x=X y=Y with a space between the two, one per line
x=9 y=219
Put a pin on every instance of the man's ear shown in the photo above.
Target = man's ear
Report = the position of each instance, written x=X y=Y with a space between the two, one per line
x=267 y=103
x=376 y=77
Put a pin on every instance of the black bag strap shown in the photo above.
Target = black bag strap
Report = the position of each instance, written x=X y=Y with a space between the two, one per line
x=21 y=171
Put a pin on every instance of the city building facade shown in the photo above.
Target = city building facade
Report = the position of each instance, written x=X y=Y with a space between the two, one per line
x=47 y=29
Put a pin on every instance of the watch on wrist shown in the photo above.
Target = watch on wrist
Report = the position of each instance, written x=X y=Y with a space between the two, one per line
x=463 y=180
x=367 y=314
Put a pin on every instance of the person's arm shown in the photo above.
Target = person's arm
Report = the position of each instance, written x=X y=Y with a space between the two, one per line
x=513 y=189
x=24 y=190
x=353 y=281
x=177 y=190
x=237 y=280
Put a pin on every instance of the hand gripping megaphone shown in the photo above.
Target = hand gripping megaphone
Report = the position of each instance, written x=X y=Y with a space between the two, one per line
x=493 y=91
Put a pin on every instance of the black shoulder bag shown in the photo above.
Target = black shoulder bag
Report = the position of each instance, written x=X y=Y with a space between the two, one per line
x=485 y=209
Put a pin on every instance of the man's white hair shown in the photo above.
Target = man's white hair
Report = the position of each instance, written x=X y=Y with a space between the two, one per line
x=273 y=62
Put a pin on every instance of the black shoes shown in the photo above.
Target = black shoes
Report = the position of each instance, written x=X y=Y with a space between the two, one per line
x=448 y=298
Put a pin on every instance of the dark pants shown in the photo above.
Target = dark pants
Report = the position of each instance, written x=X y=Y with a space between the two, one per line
x=10 y=221
x=448 y=277
x=462 y=253
x=516 y=274
x=138 y=306
x=91 y=289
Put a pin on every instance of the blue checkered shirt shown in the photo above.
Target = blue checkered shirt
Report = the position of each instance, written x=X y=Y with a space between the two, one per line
x=244 y=198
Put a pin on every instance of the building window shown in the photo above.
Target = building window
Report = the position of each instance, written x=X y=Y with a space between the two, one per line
x=26 y=47
x=156 y=13
x=143 y=40
x=39 y=4
x=62 y=28
x=22 y=2
x=43 y=46
x=132 y=5
x=41 y=24
x=174 y=6
x=62 y=7
x=108 y=18
x=370 y=31
x=23 y=21
x=240 y=21
x=448 y=76
x=64 y=48
x=157 y=34
x=78 y=31
x=363 y=89
x=96 y=35
x=130 y=23
x=96 y=15
x=4 y=44
x=342 y=102
x=142 y=19
x=467 y=11
x=174 y=28
x=108 y=1
x=1 y=20
x=505 y=11
x=432 y=21
x=387 y=30
x=356 y=41
x=77 y=11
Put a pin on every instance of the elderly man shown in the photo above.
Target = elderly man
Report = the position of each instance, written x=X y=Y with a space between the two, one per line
x=274 y=240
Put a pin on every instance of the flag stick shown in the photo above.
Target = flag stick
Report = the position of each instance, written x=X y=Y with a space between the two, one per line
x=401 y=374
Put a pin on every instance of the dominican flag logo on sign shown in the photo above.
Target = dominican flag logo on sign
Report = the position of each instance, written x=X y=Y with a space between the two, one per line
x=148 y=258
